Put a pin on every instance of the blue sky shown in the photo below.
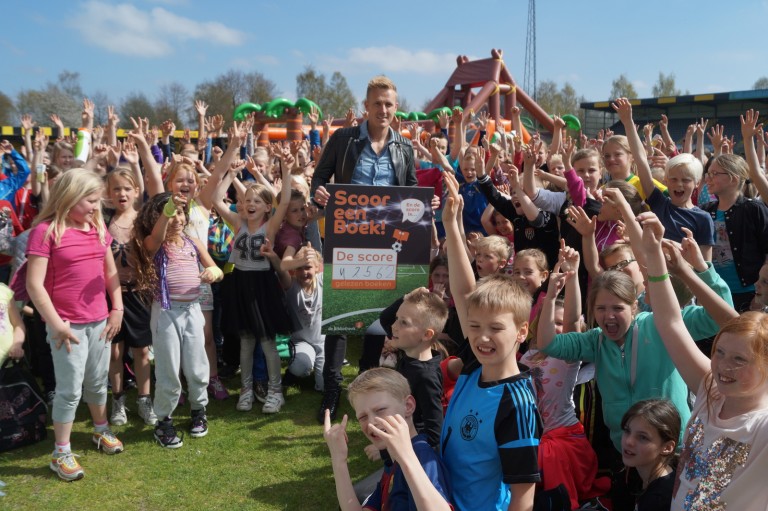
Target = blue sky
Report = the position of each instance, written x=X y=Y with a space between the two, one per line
x=139 y=45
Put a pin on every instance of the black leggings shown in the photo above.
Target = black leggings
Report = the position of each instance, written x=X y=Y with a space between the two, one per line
x=335 y=350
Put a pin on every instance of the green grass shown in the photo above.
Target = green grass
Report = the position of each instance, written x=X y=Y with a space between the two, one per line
x=247 y=461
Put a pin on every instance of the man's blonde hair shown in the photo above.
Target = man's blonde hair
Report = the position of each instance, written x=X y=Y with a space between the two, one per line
x=500 y=293
x=379 y=379
x=380 y=82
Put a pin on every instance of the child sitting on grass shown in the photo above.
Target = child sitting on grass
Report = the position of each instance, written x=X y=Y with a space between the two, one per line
x=414 y=477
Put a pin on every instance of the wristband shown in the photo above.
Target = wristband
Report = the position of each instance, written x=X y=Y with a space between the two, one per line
x=119 y=309
x=660 y=278
x=170 y=208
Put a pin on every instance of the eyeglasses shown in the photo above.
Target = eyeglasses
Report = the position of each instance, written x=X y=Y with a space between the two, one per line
x=621 y=265
x=713 y=174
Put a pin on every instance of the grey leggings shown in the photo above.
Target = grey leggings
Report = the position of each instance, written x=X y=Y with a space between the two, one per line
x=269 y=347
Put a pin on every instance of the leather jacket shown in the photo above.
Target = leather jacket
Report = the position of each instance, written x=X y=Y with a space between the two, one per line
x=340 y=157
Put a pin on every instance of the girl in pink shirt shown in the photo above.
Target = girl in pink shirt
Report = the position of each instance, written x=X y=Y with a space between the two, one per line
x=70 y=270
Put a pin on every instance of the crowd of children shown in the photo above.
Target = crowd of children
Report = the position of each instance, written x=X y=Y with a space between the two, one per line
x=619 y=266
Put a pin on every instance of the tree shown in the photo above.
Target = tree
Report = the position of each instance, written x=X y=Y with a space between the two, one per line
x=172 y=103
x=665 y=86
x=621 y=87
x=7 y=112
x=227 y=91
x=334 y=98
x=40 y=104
x=63 y=98
x=761 y=83
x=558 y=101
x=403 y=105
x=100 y=103
x=136 y=105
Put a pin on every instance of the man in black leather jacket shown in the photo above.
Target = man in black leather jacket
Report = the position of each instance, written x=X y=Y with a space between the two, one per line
x=369 y=154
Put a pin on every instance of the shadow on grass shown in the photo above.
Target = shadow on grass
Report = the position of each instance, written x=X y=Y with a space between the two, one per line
x=293 y=494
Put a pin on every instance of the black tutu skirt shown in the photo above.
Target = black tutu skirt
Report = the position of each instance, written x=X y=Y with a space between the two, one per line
x=135 y=330
x=254 y=302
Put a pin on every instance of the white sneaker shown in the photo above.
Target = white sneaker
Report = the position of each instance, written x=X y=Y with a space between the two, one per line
x=274 y=402
x=245 y=402
x=118 y=417
x=146 y=411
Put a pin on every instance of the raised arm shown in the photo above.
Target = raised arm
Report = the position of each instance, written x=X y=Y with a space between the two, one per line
x=113 y=121
x=236 y=135
x=461 y=276
x=664 y=130
x=685 y=260
x=529 y=180
x=546 y=328
x=460 y=120
x=28 y=125
x=285 y=200
x=569 y=264
x=152 y=169
x=691 y=363
x=623 y=107
x=750 y=129
x=586 y=226
x=131 y=155
x=155 y=240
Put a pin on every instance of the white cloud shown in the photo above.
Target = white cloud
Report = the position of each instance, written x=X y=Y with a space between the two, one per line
x=641 y=85
x=127 y=30
x=393 y=59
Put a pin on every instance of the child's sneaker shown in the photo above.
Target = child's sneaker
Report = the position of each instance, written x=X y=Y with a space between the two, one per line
x=107 y=442
x=245 y=402
x=66 y=466
x=118 y=417
x=260 y=391
x=146 y=411
x=217 y=389
x=274 y=402
x=199 y=424
x=165 y=434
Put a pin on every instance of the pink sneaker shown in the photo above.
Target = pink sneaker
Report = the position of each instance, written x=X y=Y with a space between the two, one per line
x=217 y=389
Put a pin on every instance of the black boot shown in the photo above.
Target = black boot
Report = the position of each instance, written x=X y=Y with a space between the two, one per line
x=330 y=402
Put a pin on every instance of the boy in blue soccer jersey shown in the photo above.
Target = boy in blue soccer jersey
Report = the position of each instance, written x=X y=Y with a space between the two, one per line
x=491 y=429
x=414 y=477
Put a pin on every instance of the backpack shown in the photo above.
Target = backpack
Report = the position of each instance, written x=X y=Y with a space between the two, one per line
x=23 y=411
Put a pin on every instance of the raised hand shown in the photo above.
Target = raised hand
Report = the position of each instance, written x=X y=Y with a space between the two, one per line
x=55 y=119
x=716 y=136
x=653 y=231
x=130 y=153
x=87 y=114
x=442 y=120
x=580 y=221
x=691 y=251
x=482 y=120
x=27 y=123
x=336 y=437
x=313 y=116
x=201 y=107
x=623 y=108
x=112 y=117
x=568 y=258
x=349 y=118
